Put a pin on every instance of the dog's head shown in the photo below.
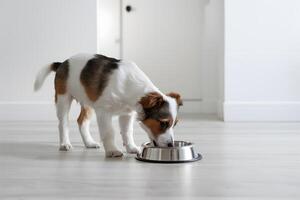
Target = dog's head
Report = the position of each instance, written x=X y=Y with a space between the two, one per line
x=160 y=116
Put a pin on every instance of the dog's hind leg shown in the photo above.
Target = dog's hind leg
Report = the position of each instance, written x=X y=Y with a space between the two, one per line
x=126 y=130
x=63 y=103
x=84 y=127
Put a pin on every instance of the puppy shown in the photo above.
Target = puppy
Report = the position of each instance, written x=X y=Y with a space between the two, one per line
x=110 y=87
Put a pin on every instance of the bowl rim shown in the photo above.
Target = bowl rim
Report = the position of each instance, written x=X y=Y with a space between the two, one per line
x=139 y=158
x=189 y=145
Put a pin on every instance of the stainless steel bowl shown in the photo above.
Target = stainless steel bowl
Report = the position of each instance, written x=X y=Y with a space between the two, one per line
x=181 y=152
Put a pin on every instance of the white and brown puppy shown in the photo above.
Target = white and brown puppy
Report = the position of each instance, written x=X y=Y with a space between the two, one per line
x=111 y=87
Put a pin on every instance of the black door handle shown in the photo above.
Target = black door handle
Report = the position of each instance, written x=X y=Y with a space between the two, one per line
x=128 y=8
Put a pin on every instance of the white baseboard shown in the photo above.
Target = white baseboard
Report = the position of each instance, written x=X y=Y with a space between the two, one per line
x=286 y=111
x=45 y=111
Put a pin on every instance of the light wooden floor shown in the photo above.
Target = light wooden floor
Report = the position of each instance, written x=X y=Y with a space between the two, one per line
x=241 y=161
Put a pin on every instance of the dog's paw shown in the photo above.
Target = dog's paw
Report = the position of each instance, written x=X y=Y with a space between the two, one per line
x=92 y=144
x=65 y=147
x=113 y=153
x=132 y=149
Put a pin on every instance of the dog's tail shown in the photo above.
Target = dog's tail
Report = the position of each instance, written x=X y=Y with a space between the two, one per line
x=43 y=73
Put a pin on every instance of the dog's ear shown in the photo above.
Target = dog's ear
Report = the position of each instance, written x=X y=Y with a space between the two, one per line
x=176 y=96
x=151 y=100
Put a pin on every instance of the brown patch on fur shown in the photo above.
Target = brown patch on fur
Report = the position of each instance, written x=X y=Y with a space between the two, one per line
x=151 y=100
x=158 y=126
x=154 y=107
x=60 y=86
x=95 y=75
x=154 y=126
x=177 y=97
x=55 y=66
x=85 y=113
x=61 y=77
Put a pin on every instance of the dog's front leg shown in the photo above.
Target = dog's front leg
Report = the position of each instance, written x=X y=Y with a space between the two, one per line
x=126 y=128
x=107 y=134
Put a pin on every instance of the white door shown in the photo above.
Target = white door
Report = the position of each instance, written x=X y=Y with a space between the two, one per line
x=164 y=38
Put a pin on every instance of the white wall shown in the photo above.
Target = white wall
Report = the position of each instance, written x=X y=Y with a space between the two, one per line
x=34 y=33
x=262 y=60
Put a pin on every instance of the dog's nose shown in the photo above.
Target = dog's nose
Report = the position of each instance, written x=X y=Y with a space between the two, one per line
x=170 y=144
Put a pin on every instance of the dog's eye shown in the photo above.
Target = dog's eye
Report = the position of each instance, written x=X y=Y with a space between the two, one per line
x=164 y=124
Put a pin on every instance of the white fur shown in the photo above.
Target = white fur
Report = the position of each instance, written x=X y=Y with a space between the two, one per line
x=125 y=87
